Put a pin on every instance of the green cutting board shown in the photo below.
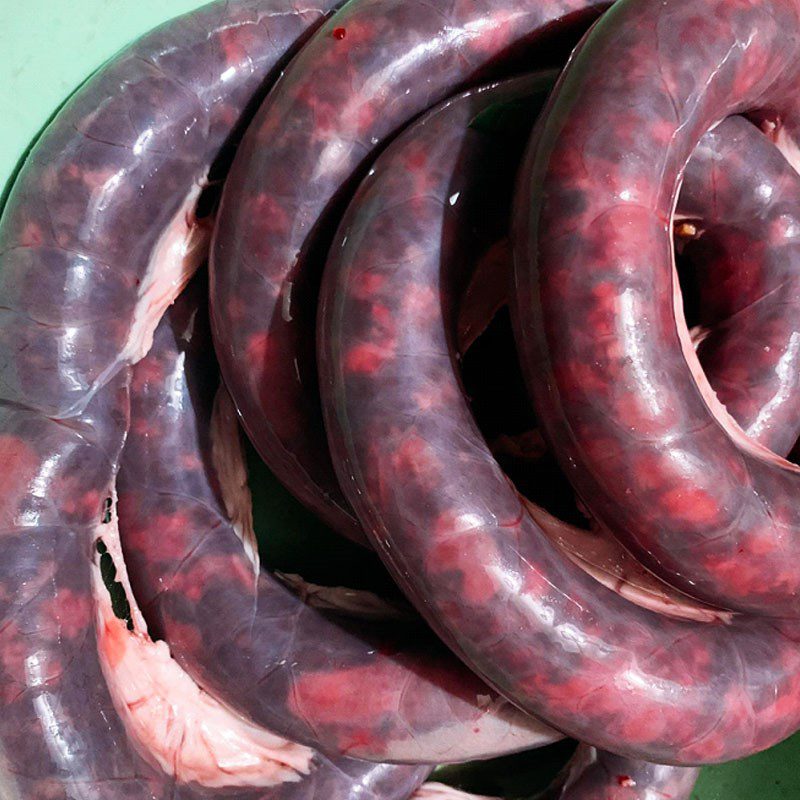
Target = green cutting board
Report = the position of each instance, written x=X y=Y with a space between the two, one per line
x=47 y=48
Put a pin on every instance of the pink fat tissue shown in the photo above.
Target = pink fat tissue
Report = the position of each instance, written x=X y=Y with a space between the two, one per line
x=229 y=461
x=438 y=791
x=355 y=603
x=181 y=249
x=173 y=722
x=600 y=555
x=787 y=144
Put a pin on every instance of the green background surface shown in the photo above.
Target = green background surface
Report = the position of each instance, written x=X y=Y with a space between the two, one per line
x=47 y=48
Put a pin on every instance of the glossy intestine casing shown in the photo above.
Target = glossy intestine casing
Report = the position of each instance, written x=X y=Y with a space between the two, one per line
x=639 y=432
x=457 y=536
x=743 y=200
x=96 y=239
x=595 y=775
x=171 y=408
x=379 y=691
x=172 y=721
x=738 y=224
x=739 y=216
x=368 y=71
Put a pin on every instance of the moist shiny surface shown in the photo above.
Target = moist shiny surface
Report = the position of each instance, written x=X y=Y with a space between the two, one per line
x=343 y=97
x=738 y=211
x=745 y=199
x=171 y=394
x=636 y=433
x=77 y=272
x=595 y=775
x=455 y=533
x=373 y=690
